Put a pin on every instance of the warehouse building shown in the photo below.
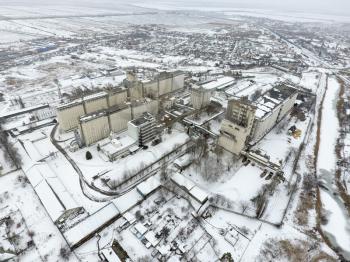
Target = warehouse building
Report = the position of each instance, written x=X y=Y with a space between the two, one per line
x=249 y=121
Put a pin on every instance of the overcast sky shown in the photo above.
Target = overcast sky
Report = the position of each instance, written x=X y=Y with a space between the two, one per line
x=323 y=6
x=341 y=7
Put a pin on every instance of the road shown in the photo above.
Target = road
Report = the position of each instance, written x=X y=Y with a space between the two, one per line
x=136 y=179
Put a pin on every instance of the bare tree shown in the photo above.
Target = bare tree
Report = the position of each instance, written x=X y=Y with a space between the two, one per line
x=11 y=153
x=65 y=253
x=244 y=205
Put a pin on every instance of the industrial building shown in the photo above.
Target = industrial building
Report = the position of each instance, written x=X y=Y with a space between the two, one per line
x=163 y=84
x=118 y=147
x=201 y=93
x=98 y=125
x=200 y=97
x=142 y=129
x=137 y=92
x=68 y=114
x=247 y=121
x=237 y=126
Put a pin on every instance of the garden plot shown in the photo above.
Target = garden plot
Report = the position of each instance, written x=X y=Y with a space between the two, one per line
x=31 y=228
x=159 y=226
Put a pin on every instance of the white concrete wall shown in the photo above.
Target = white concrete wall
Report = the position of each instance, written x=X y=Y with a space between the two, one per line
x=96 y=105
x=178 y=82
x=135 y=91
x=151 y=89
x=262 y=127
x=165 y=86
x=233 y=137
x=119 y=120
x=200 y=99
x=151 y=107
x=133 y=131
x=287 y=106
x=68 y=118
x=95 y=130
x=117 y=98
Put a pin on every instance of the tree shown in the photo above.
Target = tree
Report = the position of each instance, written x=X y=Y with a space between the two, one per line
x=165 y=232
x=11 y=153
x=65 y=253
x=244 y=205
x=259 y=202
x=227 y=257
x=88 y=155
x=256 y=95
x=139 y=216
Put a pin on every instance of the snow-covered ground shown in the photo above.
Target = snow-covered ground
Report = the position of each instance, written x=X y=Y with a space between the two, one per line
x=20 y=197
x=337 y=224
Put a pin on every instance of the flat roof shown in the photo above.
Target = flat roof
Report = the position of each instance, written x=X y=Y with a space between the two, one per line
x=95 y=96
x=70 y=104
x=92 y=116
x=218 y=83
x=148 y=186
x=272 y=99
x=144 y=118
x=91 y=224
x=181 y=180
x=199 y=194
x=23 y=110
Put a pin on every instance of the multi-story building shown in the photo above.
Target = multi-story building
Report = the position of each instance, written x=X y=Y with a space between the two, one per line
x=68 y=114
x=143 y=128
x=139 y=93
x=249 y=121
x=201 y=93
x=237 y=126
x=200 y=97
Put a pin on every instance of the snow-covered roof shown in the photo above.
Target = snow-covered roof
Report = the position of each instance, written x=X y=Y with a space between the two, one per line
x=23 y=110
x=151 y=237
x=199 y=194
x=219 y=83
x=110 y=255
x=90 y=225
x=182 y=181
x=164 y=250
x=141 y=228
x=129 y=217
x=124 y=143
x=148 y=186
x=272 y=99
x=51 y=203
x=52 y=193
x=62 y=193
